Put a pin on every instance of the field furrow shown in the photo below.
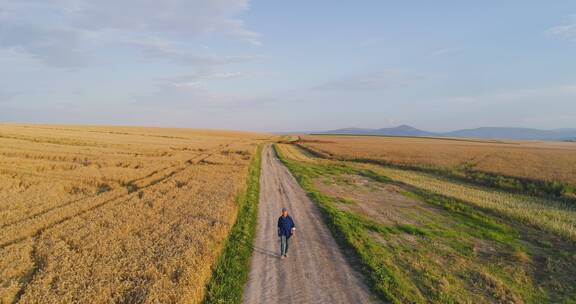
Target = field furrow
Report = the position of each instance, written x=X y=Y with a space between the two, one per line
x=100 y=214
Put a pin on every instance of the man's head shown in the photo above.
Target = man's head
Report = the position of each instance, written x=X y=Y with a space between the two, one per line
x=284 y=211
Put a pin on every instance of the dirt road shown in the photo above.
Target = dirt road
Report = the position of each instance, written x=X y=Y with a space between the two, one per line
x=315 y=270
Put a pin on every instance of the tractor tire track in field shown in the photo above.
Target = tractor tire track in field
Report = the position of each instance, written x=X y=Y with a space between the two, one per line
x=316 y=270
x=37 y=231
x=39 y=262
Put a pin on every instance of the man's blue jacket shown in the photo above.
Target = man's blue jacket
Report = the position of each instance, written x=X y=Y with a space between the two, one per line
x=285 y=225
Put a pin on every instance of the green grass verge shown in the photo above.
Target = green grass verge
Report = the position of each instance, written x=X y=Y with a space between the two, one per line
x=231 y=271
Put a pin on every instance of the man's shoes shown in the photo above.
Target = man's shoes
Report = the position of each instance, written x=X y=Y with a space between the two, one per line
x=282 y=257
x=285 y=255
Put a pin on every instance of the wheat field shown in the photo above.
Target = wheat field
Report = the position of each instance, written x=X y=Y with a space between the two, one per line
x=115 y=214
x=537 y=160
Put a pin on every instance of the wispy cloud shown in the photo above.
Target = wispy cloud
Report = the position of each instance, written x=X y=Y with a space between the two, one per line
x=193 y=91
x=203 y=76
x=544 y=95
x=565 y=31
x=158 y=48
x=57 y=46
x=67 y=33
x=446 y=51
x=380 y=80
x=194 y=95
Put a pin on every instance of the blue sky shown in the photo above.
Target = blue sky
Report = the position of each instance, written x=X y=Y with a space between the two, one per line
x=289 y=65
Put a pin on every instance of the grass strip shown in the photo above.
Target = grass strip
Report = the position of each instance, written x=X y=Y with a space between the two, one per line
x=231 y=271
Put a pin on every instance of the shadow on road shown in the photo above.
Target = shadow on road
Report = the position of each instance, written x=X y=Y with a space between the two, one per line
x=241 y=240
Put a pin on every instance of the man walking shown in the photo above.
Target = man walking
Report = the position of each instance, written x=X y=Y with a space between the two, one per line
x=286 y=229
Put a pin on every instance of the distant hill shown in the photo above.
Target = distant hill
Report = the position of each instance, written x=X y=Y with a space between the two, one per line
x=484 y=132
x=403 y=130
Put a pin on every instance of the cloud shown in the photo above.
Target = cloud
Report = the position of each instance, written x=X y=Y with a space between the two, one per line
x=446 y=51
x=381 y=80
x=53 y=46
x=194 y=95
x=185 y=17
x=159 y=48
x=202 y=76
x=545 y=95
x=565 y=31
x=192 y=91
x=68 y=33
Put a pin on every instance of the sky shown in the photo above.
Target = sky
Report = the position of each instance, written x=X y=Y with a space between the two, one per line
x=289 y=65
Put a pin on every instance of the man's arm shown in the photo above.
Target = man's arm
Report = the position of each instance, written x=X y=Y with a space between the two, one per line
x=279 y=219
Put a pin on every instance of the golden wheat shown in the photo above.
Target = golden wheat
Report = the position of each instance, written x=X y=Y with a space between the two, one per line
x=115 y=214
x=549 y=161
x=292 y=152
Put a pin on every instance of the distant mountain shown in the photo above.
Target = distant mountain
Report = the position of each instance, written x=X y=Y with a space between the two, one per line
x=515 y=133
x=403 y=130
x=492 y=132
x=484 y=132
x=351 y=131
x=567 y=134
